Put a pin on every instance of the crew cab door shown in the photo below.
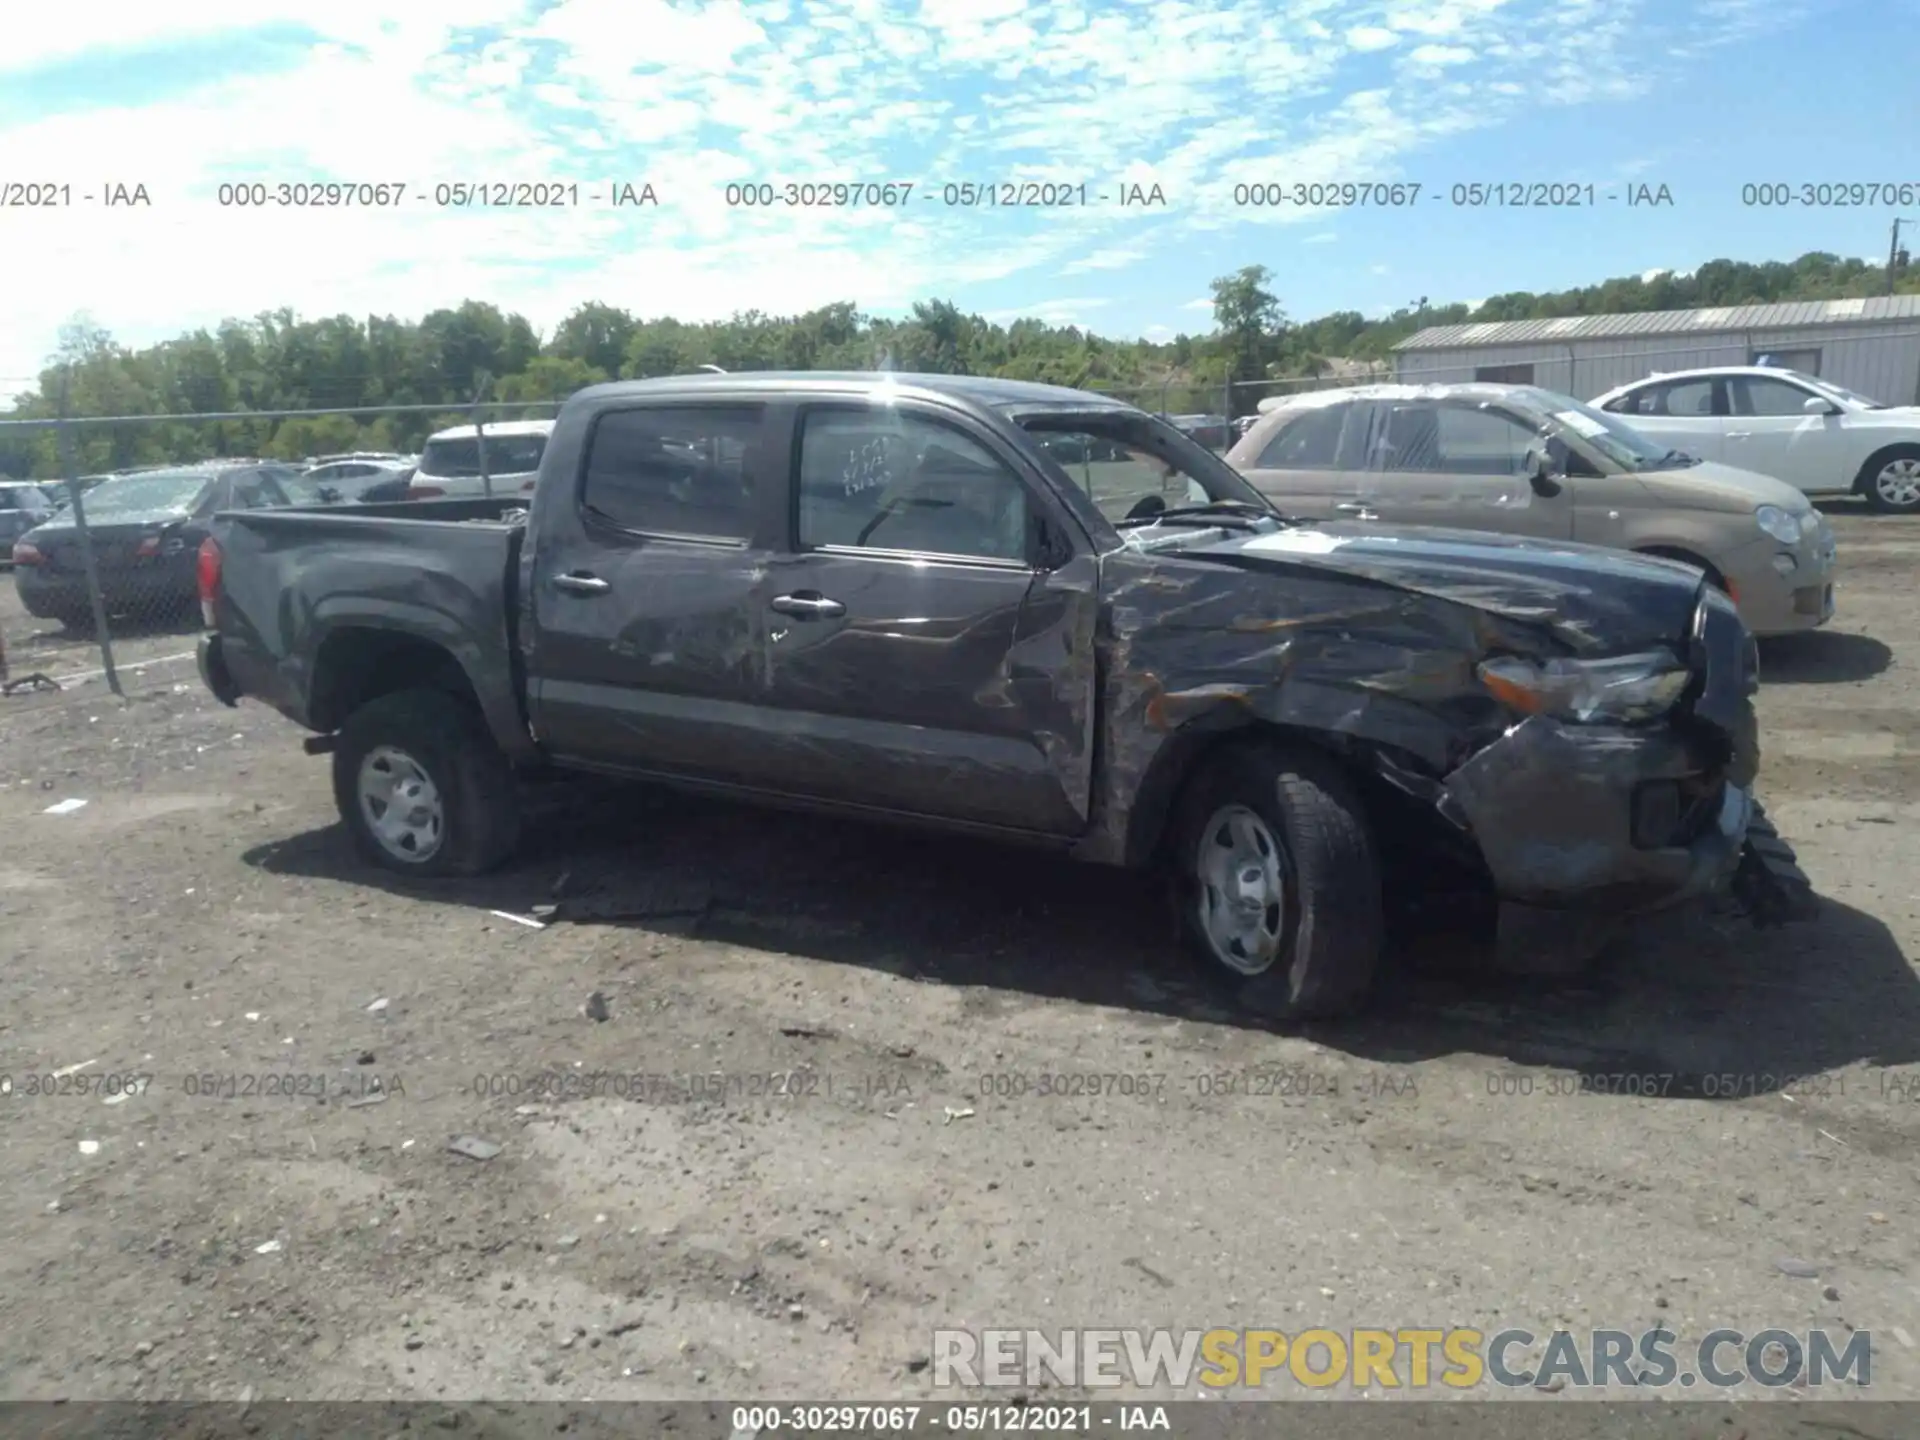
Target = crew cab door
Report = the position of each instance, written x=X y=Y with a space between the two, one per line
x=642 y=651
x=926 y=654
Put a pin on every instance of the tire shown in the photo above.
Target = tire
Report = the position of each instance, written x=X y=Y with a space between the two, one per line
x=1891 y=480
x=470 y=819
x=1322 y=938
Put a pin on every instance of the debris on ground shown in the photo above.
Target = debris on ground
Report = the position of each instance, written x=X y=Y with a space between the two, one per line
x=64 y=807
x=377 y=1006
x=1798 y=1269
x=378 y=1097
x=525 y=920
x=270 y=1247
x=474 y=1148
x=596 y=1007
x=953 y=1114
x=26 y=683
x=669 y=896
x=89 y=1147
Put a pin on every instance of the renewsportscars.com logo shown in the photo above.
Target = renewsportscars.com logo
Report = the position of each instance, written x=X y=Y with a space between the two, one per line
x=1400 y=1358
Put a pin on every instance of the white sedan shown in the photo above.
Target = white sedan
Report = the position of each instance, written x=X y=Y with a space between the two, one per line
x=1811 y=433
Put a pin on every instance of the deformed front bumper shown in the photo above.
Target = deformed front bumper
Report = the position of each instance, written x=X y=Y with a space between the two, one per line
x=1582 y=825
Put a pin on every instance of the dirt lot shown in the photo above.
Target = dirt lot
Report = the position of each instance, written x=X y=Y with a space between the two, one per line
x=685 y=1232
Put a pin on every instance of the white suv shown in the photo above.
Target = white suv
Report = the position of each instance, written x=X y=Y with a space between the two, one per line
x=450 y=460
x=1811 y=433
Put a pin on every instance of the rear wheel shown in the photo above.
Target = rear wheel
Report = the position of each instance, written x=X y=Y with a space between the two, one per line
x=422 y=786
x=1278 y=882
x=1891 y=480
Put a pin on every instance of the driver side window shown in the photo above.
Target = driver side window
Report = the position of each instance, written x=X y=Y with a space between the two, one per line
x=881 y=479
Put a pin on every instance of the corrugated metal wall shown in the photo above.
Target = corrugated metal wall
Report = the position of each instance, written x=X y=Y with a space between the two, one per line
x=1881 y=361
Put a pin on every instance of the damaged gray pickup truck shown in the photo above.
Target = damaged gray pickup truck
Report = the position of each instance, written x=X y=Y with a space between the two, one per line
x=1028 y=613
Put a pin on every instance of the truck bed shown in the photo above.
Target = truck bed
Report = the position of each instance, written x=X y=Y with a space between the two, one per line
x=444 y=572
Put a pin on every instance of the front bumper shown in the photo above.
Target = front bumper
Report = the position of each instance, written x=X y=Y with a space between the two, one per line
x=1615 y=820
x=1801 y=599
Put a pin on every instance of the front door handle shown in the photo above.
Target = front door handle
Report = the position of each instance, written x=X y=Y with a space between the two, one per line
x=807 y=605
x=581 y=583
x=1354 y=508
x=1739 y=434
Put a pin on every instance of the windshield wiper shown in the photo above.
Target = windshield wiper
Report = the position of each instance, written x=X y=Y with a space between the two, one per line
x=1240 y=512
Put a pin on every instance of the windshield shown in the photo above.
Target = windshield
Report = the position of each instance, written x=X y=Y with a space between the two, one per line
x=15 y=497
x=1838 y=392
x=172 y=491
x=1131 y=464
x=1601 y=431
x=459 y=459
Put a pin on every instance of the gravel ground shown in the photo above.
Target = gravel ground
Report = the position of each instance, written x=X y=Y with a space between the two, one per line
x=708 y=1225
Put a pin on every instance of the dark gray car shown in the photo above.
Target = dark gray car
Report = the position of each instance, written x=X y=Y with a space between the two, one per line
x=22 y=506
x=145 y=527
x=1027 y=613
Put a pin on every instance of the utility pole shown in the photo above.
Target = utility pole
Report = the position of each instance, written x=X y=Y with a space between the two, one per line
x=1893 y=251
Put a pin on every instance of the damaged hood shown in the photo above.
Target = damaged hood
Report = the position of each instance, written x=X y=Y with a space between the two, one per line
x=1595 y=599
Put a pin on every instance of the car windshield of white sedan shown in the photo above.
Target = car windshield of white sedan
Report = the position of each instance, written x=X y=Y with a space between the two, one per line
x=145 y=492
x=1608 y=434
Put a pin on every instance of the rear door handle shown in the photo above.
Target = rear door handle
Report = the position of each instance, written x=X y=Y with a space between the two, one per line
x=807 y=606
x=581 y=583
x=1354 y=508
x=1739 y=434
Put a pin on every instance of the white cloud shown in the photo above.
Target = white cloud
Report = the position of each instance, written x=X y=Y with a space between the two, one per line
x=1189 y=95
x=1371 y=37
x=1325 y=237
x=1203 y=304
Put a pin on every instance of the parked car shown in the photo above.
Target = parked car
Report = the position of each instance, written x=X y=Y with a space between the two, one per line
x=348 y=482
x=1212 y=431
x=1819 y=437
x=22 y=506
x=880 y=595
x=146 y=528
x=1526 y=461
x=450 y=460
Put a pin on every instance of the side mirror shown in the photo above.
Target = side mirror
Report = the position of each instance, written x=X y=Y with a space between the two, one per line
x=1540 y=473
x=1816 y=406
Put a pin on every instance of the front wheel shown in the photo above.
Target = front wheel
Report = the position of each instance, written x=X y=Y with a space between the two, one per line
x=1892 y=482
x=1278 y=882
x=422 y=786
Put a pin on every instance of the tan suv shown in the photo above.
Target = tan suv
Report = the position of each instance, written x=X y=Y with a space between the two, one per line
x=1525 y=461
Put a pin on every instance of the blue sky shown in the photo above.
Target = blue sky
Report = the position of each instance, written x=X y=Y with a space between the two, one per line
x=1194 y=96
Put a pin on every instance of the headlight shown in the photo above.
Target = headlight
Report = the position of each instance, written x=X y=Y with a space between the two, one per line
x=1620 y=687
x=1778 y=523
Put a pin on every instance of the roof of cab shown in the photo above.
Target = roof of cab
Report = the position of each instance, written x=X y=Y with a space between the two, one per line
x=988 y=391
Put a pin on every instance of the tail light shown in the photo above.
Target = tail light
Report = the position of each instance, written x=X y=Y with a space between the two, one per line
x=25 y=554
x=207 y=572
x=527 y=488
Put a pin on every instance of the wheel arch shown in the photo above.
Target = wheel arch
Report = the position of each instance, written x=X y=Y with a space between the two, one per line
x=1893 y=450
x=358 y=663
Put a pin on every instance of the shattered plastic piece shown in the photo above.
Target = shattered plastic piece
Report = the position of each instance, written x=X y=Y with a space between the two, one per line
x=378 y=1097
x=66 y=1070
x=378 y=1005
x=89 y=1147
x=271 y=1247
x=953 y=1114
x=1798 y=1269
x=474 y=1148
x=65 y=807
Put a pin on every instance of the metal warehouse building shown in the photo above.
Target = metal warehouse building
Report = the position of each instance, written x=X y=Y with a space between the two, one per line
x=1872 y=346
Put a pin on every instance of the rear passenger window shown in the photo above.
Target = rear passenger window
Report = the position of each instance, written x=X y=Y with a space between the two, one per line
x=1311 y=442
x=674 y=471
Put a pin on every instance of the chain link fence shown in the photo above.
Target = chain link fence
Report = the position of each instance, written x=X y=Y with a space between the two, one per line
x=101 y=593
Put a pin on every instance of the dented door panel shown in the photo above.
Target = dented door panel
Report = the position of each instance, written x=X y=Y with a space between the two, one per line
x=945 y=688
